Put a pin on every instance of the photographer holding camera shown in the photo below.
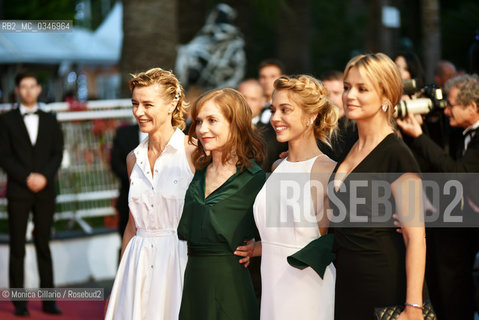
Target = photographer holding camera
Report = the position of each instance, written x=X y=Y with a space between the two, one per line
x=451 y=251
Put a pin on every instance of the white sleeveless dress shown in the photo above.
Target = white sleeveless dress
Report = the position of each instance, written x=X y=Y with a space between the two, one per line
x=284 y=215
x=149 y=281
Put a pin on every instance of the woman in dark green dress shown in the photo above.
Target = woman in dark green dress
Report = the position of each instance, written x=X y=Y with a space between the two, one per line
x=217 y=215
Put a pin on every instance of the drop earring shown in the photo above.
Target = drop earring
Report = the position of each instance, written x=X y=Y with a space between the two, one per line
x=384 y=107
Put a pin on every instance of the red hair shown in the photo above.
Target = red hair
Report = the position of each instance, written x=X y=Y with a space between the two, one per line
x=244 y=141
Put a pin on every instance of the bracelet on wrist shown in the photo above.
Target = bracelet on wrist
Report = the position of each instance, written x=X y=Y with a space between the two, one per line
x=414 y=305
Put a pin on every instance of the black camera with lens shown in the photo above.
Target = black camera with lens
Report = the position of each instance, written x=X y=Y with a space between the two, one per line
x=430 y=98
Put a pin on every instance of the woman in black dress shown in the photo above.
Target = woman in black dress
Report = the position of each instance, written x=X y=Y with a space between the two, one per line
x=376 y=266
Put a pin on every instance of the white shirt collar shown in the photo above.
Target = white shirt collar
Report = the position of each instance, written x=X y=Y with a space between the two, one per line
x=24 y=109
x=141 y=152
x=473 y=127
x=142 y=135
x=176 y=141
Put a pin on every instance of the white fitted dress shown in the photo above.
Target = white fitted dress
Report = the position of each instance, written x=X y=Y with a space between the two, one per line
x=284 y=215
x=149 y=281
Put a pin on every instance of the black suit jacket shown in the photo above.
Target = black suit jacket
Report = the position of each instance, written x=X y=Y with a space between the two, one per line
x=125 y=140
x=441 y=161
x=19 y=158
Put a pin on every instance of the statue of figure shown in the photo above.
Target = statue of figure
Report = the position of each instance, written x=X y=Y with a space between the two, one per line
x=215 y=58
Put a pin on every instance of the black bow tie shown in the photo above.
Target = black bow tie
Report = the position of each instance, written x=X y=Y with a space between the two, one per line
x=30 y=113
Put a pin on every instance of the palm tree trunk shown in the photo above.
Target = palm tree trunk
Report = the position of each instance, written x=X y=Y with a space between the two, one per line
x=294 y=36
x=150 y=37
x=431 y=37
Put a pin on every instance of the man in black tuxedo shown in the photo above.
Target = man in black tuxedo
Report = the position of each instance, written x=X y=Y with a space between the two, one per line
x=452 y=251
x=31 y=149
x=126 y=139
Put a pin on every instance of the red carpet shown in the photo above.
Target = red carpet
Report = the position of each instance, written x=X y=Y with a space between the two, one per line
x=72 y=310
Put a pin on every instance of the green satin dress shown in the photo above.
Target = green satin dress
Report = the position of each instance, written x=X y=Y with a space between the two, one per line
x=216 y=285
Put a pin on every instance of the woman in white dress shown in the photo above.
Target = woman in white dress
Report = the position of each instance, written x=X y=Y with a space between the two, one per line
x=290 y=210
x=149 y=281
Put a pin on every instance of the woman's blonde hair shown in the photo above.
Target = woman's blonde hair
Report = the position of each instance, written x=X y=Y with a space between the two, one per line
x=383 y=74
x=311 y=95
x=244 y=141
x=172 y=90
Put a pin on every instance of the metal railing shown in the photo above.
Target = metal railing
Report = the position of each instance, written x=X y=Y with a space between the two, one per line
x=86 y=187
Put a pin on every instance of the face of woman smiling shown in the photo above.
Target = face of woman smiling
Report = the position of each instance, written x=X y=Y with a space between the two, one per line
x=360 y=98
x=212 y=127
x=150 y=109
x=287 y=118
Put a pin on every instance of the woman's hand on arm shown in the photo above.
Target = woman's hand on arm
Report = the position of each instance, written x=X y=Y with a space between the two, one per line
x=251 y=249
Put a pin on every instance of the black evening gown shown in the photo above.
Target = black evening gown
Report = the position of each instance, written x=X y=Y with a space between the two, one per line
x=370 y=259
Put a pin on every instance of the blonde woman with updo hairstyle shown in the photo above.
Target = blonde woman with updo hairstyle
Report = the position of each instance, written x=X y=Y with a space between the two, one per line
x=378 y=177
x=149 y=280
x=297 y=274
x=218 y=213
